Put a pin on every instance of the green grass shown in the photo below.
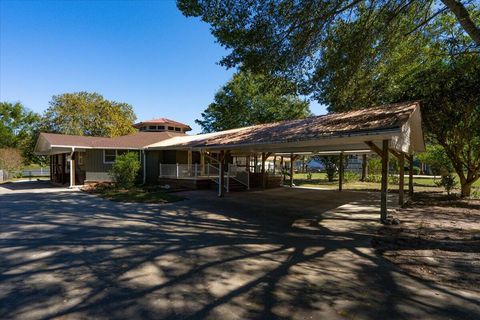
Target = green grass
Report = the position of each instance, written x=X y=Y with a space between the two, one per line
x=138 y=195
x=319 y=180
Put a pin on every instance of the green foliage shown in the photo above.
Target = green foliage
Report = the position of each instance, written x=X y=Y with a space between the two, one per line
x=438 y=160
x=249 y=99
x=416 y=170
x=125 y=170
x=309 y=176
x=11 y=159
x=448 y=182
x=18 y=129
x=349 y=176
x=356 y=54
x=305 y=40
x=331 y=164
x=374 y=165
x=88 y=114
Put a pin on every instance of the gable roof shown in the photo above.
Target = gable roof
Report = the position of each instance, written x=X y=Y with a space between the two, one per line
x=365 y=121
x=138 y=140
x=400 y=123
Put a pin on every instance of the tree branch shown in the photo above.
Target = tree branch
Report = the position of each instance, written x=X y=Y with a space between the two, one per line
x=463 y=17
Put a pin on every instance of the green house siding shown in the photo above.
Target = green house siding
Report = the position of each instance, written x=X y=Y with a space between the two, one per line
x=95 y=169
x=153 y=163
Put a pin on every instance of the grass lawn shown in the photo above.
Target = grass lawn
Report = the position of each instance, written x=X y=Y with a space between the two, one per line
x=138 y=195
x=319 y=180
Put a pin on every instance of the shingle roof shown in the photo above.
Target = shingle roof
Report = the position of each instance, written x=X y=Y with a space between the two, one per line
x=136 y=140
x=376 y=118
x=162 y=121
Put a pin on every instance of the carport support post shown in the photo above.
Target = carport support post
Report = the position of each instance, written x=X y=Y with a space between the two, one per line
x=401 y=178
x=364 y=168
x=384 y=188
x=264 y=180
x=340 y=173
x=291 y=169
x=221 y=174
x=410 y=175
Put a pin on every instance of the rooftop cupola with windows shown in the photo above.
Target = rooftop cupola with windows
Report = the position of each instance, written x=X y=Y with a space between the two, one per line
x=162 y=124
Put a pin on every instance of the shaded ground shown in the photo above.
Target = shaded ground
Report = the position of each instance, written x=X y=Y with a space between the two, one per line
x=278 y=254
x=438 y=240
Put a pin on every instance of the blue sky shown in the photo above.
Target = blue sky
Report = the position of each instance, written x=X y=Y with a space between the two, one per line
x=145 y=53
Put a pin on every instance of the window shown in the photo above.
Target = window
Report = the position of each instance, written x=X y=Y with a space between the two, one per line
x=161 y=127
x=152 y=128
x=178 y=129
x=109 y=156
x=171 y=128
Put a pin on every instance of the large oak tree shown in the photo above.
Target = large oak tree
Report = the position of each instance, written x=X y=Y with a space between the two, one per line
x=89 y=114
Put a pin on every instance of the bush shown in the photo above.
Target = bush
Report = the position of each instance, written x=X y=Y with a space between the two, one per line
x=309 y=176
x=11 y=159
x=416 y=170
x=350 y=176
x=374 y=165
x=448 y=182
x=393 y=179
x=373 y=178
x=125 y=169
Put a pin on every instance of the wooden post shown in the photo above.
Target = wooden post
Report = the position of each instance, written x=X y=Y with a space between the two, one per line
x=340 y=173
x=221 y=174
x=291 y=169
x=255 y=162
x=401 y=178
x=264 y=177
x=364 y=168
x=51 y=168
x=410 y=176
x=72 y=172
x=384 y=187
x=248 y=164
x=202 y=163
x=64 y=167
x=274 y=164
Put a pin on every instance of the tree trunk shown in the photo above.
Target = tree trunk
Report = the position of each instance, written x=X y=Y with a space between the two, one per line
x=466 y=189
x=464 y=18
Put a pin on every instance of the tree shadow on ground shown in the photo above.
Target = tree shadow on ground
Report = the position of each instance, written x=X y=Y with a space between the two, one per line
x=260 y=255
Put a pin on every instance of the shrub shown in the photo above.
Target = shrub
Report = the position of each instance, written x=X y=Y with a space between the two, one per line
x=11 y=159
x=374 y=165
x=393 y=179
x=416 y=170
x=350 y=176
x=125 y=169
x=448 y=182
x=373 y=178
x=309 y=176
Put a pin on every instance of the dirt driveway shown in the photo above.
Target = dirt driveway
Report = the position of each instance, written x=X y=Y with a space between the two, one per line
x=278 y=254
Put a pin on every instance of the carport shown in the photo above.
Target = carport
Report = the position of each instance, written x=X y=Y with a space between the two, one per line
x=391 y=129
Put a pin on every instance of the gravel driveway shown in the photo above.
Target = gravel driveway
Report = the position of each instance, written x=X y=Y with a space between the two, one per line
x=278 y=254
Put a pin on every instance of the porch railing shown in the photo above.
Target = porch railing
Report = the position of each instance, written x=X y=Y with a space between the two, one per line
x=207 y=171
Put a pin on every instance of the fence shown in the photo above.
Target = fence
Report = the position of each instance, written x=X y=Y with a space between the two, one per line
x=31 y=173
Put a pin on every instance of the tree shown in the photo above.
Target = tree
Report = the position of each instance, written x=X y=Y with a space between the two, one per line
x=331 y=164
x=10 y=159
x=18 y=128
x=249 y=99
x=355 y=54
x=289 y=37
x=451 y=109
x=88 y=114
x=437 y=159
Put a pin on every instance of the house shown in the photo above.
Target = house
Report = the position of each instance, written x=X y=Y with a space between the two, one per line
x=237 y=157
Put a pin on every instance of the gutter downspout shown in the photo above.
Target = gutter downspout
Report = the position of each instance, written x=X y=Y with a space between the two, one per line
x=72 y=169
